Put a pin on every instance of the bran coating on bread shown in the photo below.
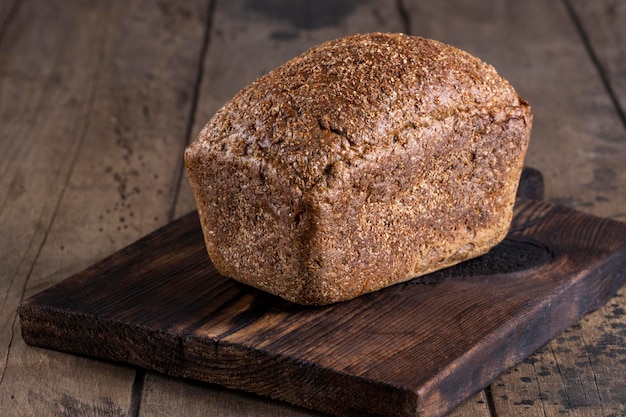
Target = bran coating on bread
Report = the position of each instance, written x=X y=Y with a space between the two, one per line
x=364 y=162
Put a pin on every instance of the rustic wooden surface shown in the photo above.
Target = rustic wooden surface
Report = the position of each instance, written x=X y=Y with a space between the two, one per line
x=162 y=313
x=97 y=100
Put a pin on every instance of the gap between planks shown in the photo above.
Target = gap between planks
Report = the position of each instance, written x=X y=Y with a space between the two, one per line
x=405 y=17
x=10 y=14
x=180 y=167
x=604 y=78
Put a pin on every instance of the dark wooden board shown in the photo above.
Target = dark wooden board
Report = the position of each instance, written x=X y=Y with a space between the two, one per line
x=417 y=348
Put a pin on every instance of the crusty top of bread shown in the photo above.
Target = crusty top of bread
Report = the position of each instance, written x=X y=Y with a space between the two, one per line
x=364 y=162
x=346 y=97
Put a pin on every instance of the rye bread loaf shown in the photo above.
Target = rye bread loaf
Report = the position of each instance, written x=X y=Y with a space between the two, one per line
x=364 y=162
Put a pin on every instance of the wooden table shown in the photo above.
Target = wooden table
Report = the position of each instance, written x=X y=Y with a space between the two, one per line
x=98 y=100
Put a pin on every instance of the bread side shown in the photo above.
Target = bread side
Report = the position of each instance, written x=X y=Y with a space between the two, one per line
x=366 y=161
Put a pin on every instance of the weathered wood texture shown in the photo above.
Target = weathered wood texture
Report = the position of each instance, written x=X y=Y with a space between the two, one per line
x=94 y=105
x=380 y=354
x=57 y=66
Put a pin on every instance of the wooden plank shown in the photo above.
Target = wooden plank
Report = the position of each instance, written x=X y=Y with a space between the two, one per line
x=165 y=396
x=579 y=144
x=41 y=131
x=602 y=25
x=476 y=406
x=94 y=103
x=379 y=354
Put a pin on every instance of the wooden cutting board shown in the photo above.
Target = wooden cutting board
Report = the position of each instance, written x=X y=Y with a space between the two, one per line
x=417 y=348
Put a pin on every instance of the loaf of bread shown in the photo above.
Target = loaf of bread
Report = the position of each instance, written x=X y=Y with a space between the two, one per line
x=364 y=162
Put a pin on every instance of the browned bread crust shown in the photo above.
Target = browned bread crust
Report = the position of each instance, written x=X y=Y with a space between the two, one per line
x=364 y=162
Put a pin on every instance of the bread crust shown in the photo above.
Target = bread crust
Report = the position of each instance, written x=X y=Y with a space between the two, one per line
x=364 y=162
